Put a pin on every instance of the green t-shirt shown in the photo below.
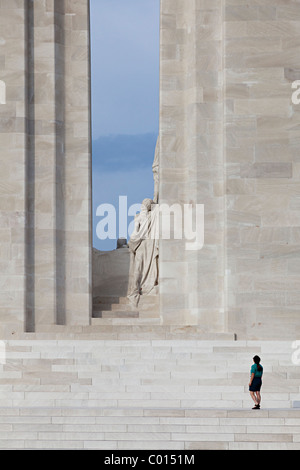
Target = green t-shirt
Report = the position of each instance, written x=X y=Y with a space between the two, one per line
x=257 y=373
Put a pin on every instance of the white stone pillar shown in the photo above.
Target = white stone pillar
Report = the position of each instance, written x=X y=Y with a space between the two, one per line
x=262 y=168
x=191 y=165
x=12 y=164
x=44 y=131
x=78 y=164
x=45 y=187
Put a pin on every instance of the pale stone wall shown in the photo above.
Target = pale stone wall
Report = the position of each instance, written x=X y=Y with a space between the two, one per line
x=45 y=164
x=229 y=140
x=191 y=131
x=13 y=156
x=262 y=167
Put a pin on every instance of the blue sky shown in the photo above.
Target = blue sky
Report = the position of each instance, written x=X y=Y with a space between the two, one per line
x=125 y=101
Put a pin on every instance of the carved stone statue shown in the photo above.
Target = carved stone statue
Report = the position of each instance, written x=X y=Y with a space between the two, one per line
x=143 y=246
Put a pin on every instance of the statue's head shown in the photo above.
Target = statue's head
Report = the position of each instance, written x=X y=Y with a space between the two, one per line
x=146 y=204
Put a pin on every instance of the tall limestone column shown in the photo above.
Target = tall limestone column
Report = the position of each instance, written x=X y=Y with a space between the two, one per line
x=191 y=159
x=46 y=158
x=79 y=166
x=42 y=115
x=63 y=162
x=262 y=168
x=12 y=163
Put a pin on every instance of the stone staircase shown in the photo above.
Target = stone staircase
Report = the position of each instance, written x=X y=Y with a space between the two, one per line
x=113 y=307
x=139 y=394
x=120 y=429
x=113 y=310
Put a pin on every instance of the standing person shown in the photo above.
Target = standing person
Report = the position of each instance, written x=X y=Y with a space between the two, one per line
x=256 y=382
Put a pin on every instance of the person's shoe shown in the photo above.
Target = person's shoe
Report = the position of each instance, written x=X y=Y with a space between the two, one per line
x=256 y=407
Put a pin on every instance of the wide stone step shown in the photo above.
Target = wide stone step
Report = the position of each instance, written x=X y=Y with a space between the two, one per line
x=114 y=307
x=127 y=314
x=124 y=308
x=148 y=428
x=132 y=332
x=122 y=318
x=115 y=314
x=117 y=302
x=107 y=299
x=145 y=300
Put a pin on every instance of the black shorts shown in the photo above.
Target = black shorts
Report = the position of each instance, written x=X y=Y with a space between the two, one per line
x=256 y=385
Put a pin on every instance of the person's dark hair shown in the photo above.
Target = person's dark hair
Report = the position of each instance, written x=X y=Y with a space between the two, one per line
x=256 y=359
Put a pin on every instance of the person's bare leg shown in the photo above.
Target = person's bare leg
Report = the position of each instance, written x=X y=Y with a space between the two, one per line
x=253 y=397
x=258 y=397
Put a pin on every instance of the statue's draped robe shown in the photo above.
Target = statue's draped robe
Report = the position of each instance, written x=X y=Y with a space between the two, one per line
x=143 y=246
